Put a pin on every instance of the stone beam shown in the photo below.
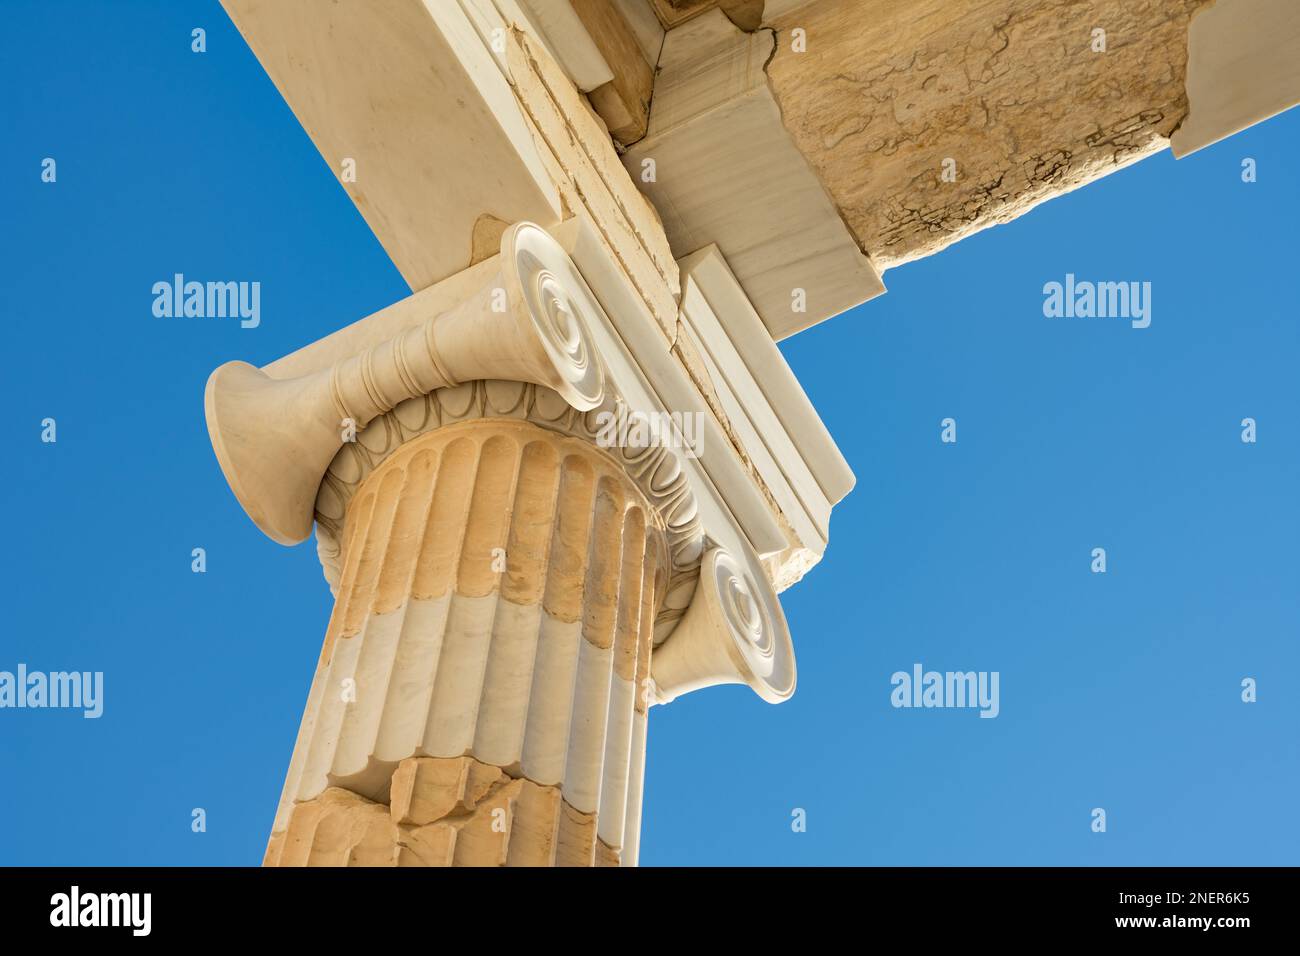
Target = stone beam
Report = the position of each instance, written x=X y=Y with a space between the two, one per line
x=1015 y=96
x=624 y=102
x=818 y=144
x=381 y=83
x=1243 y=66
x=723 y=170
x=608 y=50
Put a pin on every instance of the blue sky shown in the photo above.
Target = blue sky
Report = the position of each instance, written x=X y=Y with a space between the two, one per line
x=1118 y=690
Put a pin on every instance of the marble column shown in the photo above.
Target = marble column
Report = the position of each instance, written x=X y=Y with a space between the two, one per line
x=474 y=701
x=516 y=582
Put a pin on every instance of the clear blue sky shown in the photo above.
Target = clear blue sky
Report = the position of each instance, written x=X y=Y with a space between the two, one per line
x=1119 y=690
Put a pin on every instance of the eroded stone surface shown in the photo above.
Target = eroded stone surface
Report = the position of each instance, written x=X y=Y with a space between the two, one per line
x=1011 y=91
x=445 y=812
x=499 y=590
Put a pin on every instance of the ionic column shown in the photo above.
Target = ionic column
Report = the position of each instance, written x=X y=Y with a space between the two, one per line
x=516 y=582
x=475 y=698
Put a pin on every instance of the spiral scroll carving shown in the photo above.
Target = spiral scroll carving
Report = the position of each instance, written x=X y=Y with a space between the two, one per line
x=750 y=611
x=561 y=309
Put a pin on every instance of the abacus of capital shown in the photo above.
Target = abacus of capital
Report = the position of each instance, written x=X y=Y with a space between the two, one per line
x=613 y=207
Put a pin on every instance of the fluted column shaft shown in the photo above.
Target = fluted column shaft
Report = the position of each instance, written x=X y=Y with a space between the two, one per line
x=479 y=699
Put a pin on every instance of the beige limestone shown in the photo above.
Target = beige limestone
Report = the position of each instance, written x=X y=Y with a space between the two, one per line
x=1009 y=89
x=391 y=114
x=568 y=41
x=624 y=102
x=1243 y=67
x=500 y=585
x=673 y=13
x=582 y=161
x=470 y=814
x=645 y=26
x=728 y=173
x=657 y=472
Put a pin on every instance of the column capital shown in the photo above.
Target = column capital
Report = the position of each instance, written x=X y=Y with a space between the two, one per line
x=519 y=336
